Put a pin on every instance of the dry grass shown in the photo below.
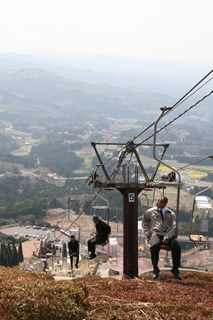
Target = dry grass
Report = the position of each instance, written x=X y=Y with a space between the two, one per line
x=144 y=298
x=37 y=297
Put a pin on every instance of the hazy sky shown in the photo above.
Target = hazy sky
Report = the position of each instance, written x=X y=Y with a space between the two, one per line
x=160 y=29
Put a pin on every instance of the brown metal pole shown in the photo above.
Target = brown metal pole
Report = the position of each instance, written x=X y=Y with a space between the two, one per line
x=130 y=227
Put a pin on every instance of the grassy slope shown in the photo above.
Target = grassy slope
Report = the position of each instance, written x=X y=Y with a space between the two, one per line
x=37 y=296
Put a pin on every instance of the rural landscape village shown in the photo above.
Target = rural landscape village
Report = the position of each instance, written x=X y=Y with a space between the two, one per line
x=68 y=151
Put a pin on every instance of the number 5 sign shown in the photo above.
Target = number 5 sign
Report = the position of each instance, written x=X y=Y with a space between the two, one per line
x=131 y=197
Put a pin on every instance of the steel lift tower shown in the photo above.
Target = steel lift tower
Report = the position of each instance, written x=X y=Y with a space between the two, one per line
x=129 y=176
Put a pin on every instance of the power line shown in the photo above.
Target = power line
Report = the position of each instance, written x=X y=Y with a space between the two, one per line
x=199 y=101
x=181 y=100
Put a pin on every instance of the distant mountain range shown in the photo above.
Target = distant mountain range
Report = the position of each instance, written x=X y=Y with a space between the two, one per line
x=38 y=89
x=146 y=75
x=34 y=95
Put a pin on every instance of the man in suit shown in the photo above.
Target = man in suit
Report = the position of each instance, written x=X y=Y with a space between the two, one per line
x=159 y=224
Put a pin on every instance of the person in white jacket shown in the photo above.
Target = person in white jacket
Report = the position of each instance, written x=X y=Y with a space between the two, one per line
x=159 y=224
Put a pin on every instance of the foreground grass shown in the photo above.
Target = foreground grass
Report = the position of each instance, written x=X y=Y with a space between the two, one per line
x=38 y=296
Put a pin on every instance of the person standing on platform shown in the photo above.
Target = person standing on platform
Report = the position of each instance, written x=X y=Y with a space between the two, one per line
x=159 y=224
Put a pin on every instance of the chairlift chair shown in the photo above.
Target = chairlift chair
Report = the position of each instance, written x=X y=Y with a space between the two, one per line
x=172 y=179
x=113 y=244
x=103 y=207
x=202 y=203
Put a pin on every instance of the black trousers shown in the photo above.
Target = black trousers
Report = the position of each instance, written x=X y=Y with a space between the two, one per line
x=156 y=242
x=92 y=243
x=71 y=258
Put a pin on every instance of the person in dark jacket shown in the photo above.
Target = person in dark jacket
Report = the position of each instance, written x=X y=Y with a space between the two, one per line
x=73 y=246
x=103 y=231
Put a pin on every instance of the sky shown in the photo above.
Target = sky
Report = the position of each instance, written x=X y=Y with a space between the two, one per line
x=154 y=29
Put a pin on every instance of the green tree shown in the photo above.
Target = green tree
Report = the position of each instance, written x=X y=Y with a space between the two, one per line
x=15 y=260
x=9 y=255
x=20 y=252
x=64 y=250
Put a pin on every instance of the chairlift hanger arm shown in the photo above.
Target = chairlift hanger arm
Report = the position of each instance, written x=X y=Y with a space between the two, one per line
x=163 y=111
x=158 y=164
x=160 y=161
x=102 y=198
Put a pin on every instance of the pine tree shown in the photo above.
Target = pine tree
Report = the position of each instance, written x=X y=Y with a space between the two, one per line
x=15 y=261
x=64 y=250
x=9 y=255
x=2 y=254
x=55 y=203
x=20 y=253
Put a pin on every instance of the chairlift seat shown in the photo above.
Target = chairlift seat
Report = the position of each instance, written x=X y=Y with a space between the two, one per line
x=103 y=243
x=100 y=207
x=197 y=238
x=165 y=247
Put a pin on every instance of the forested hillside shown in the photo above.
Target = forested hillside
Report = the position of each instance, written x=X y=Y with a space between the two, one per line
x=57 y=157
x=49 y=121
x=43 y=97
x=23 y=199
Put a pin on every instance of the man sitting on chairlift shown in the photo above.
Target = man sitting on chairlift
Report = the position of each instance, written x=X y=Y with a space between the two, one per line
x=159 y=224
x=73 y=246
x=103 y=231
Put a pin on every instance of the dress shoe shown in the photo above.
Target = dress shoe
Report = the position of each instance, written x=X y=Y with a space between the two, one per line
x=176 y=273
x=76 y=265
x=92 y=256
x=155 y=274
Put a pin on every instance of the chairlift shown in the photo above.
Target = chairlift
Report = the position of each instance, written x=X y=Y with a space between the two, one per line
x=204 y=205
x=173 y=178
x=146 y=197
x=113 y=244
x=103 y=207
